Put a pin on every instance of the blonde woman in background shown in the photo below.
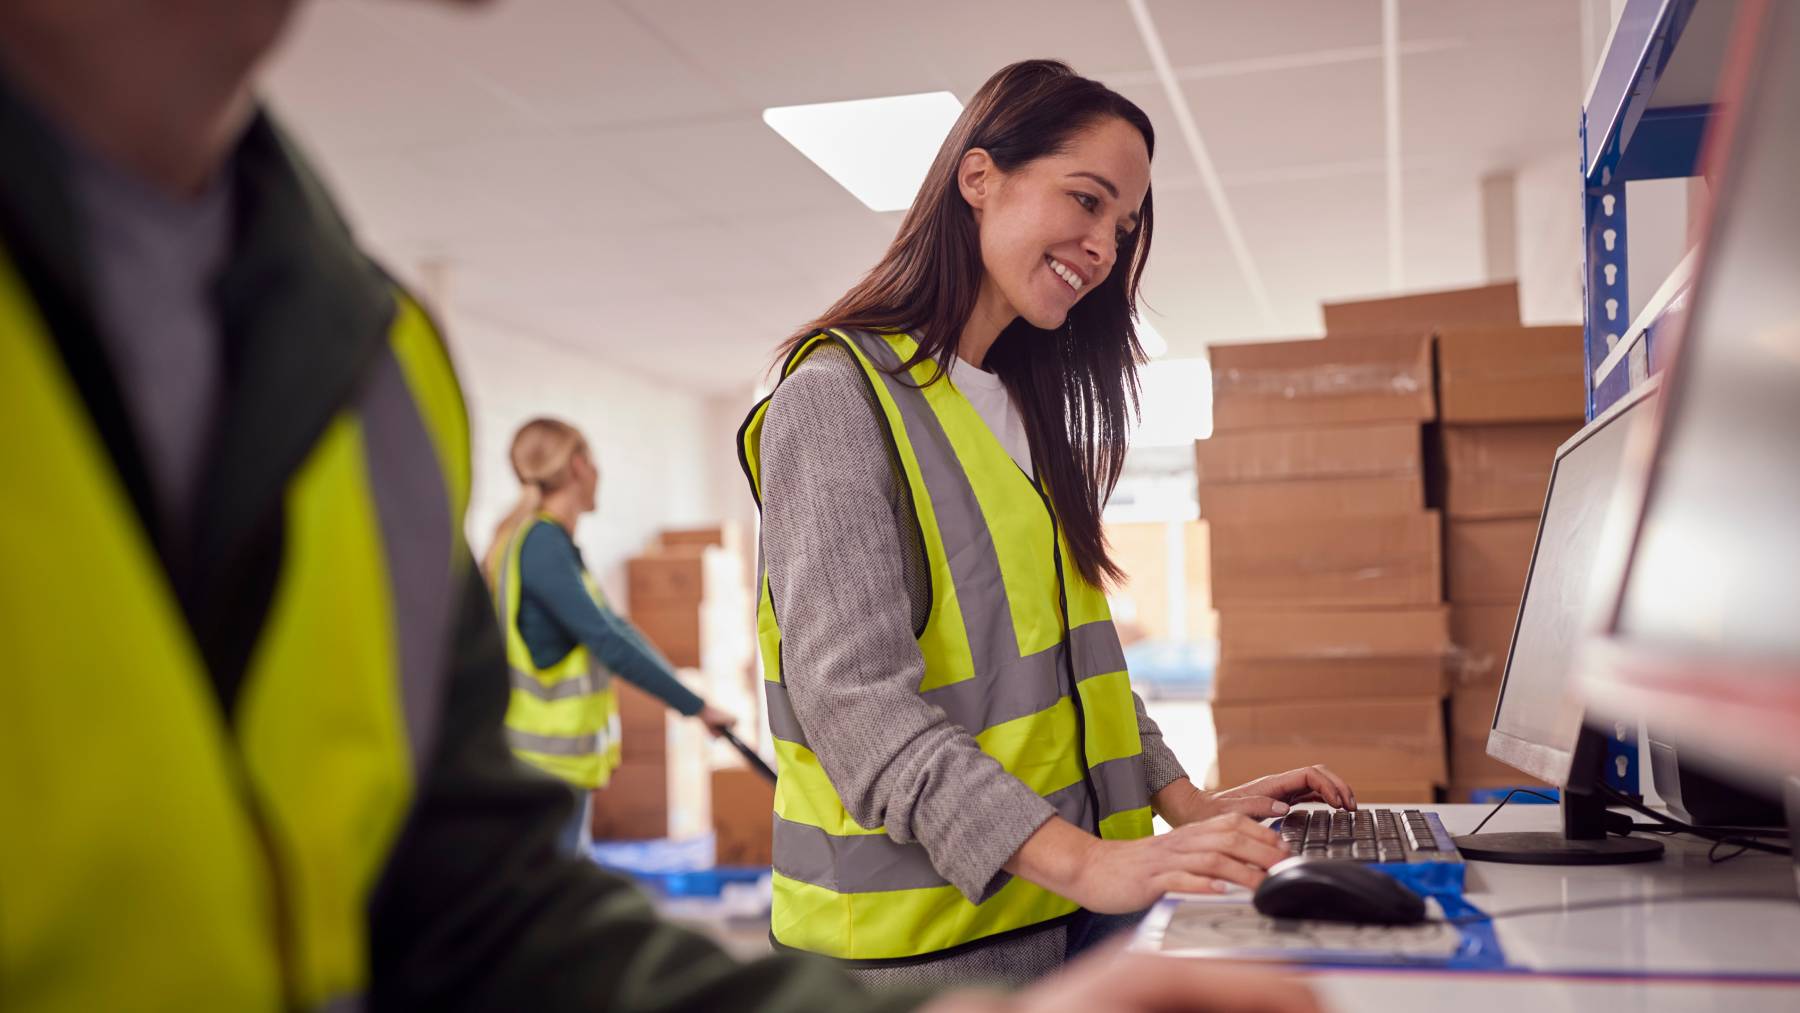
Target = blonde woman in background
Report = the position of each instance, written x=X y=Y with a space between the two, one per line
x=563 y=643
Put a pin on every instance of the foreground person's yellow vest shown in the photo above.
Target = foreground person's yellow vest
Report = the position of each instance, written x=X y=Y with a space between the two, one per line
x=562 y=718
x=156 y=851
x=1018 y=649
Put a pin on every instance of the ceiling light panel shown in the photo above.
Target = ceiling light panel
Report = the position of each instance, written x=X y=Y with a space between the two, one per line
x=879 y=149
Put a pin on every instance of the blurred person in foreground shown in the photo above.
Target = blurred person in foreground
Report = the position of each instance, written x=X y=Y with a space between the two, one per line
x=250 y=736
x=967 y=781
x=563 y=642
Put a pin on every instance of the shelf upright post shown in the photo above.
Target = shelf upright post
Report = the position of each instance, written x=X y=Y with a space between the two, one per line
x=1606 y=305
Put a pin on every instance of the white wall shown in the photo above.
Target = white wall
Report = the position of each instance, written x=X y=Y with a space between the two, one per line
x=657 y=446
x=1548 y=204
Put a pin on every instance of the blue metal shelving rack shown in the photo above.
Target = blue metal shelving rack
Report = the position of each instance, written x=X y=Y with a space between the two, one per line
x=1645 y=117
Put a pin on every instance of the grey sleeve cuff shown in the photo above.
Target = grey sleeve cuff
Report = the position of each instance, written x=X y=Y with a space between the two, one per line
x=1160 y=765
x=973 y=817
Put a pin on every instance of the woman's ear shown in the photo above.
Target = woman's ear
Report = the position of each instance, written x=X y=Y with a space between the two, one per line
x=976 y=176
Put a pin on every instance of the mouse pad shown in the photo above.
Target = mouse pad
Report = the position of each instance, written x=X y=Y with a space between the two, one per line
x=1194 y=926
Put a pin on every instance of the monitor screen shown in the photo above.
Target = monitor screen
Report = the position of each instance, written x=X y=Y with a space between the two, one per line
x=1718 y=552
x=1539 y=713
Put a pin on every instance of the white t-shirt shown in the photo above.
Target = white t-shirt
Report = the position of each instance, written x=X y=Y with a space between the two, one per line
x=988 y=394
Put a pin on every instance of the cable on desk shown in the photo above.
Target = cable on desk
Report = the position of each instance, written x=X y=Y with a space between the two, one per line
x=1688 y=828
x=1516 y=791
x=1591 y=905
x=1713 y=856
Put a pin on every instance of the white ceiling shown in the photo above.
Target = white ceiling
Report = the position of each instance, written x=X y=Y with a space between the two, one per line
x=597 y=171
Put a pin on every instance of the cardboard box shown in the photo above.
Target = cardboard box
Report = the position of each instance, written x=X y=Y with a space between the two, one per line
x=1246 y=761
x=1375 y=741
x=1297 y=499
x=691 y=539
x=1312 y=382
x=1262 y=455
x=1486 y=561
x=1380 y=793
x=1425 y=312
x=1472 y=711
x=1333 y=634
x=649 y=727
x=1356 y=562
x=1288 y=654
x=673 y=629
x=1471 y=767
x=1501 y=470
x=653 y=798
x=1482 y=636
x=743 y=816
x=666 y=579
x=1463 y=791
x=639 y=712
x=1512 y=374
x=1246 y=680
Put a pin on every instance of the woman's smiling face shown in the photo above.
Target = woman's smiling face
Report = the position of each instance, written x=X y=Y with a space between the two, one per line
x=1052 y=229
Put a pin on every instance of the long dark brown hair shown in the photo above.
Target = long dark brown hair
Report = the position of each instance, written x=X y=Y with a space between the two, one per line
x=1076 y=387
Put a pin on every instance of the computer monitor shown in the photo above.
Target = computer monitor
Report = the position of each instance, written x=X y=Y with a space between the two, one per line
x=1704 y=638
x=1539 y=721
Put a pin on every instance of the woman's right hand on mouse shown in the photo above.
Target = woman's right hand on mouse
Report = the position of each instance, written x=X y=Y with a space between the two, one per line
x=1118 y=877
x=1200 y=857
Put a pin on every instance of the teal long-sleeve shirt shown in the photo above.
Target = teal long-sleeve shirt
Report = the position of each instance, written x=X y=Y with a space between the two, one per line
x=556 y=613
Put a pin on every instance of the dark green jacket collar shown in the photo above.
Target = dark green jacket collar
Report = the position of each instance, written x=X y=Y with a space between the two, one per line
x=303 y=314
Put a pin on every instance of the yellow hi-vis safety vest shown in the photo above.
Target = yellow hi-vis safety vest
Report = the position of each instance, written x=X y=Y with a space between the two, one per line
x=156 y=851
x=1018 y=649
x=562 y=718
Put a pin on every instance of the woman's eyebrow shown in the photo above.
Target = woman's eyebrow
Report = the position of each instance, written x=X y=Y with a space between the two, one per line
x=1102 y=180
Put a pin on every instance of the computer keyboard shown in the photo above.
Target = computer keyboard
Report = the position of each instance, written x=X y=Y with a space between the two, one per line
x=1410 y=844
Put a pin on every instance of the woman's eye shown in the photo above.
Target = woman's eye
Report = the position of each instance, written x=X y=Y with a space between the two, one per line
x=1086 y=200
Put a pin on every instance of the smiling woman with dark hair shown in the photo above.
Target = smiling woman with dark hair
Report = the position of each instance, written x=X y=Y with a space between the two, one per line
x=966 y=779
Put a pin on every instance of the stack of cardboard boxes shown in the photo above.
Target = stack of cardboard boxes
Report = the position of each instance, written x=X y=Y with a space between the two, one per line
x=689 y=596
x=1326 y=568
x=661 y=787
x=1508 y=397
x=743 y=816
x=1329 y=565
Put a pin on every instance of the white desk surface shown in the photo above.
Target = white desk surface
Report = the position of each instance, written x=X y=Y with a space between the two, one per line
x=1607 y=959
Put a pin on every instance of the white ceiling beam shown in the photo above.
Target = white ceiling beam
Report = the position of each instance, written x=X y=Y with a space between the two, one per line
x=1390 y=80
x=1209 y=174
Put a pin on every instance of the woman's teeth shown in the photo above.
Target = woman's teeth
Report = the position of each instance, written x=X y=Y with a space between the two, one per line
x=1070 y=277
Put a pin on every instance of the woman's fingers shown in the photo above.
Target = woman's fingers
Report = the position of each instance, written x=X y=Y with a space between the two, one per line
x=1235 y=837
x=1220 y=866
x=1181 y=881
x=1323 y=781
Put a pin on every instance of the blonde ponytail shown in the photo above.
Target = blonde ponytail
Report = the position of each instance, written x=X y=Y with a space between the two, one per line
x=540 y=455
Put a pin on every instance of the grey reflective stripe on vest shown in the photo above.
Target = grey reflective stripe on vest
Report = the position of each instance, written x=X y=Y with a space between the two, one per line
x=412 y=504
x=557 y=745
x=868 y=863
x=581 y=685
x=1019 y=689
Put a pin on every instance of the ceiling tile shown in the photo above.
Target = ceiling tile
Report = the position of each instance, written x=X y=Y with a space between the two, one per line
x=738 y=167
x=1304 y=116
x=1215 y=31
x=570 y=62
x=350 y=87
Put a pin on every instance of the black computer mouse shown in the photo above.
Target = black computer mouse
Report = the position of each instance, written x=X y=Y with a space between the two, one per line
x=1337 y=891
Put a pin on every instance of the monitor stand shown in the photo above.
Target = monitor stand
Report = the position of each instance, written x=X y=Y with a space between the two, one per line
x=1584 y=840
